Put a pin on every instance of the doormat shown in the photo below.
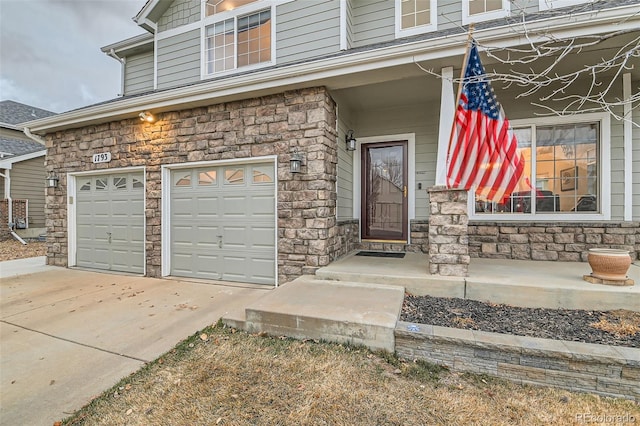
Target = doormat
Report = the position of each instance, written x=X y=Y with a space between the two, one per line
x=380 y=254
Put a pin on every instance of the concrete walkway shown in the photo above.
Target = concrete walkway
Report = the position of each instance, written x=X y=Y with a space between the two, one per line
x=68 y=335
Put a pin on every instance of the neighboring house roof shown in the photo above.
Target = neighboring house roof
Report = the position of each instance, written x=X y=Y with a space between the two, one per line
x=13 y=113
x=17 y=147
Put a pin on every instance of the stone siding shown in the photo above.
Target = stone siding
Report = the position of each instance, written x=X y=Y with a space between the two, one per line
x=419 y=240
x=611 y=371
x=568 y=241
x=448 y=240
x=300 y=120
x=347 y=240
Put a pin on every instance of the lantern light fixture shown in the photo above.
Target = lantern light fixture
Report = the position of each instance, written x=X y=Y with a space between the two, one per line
x=147 y=117
x=350 y=141
x=295 y=163
x=52 y=180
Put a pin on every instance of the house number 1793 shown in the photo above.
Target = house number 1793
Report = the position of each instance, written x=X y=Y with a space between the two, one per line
x=103 y=157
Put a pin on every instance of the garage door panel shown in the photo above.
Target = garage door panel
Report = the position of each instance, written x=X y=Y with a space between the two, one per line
x=263 y=237
x=109 y=205
x=182 y=206
x=234 y=206
x=207 y=207
x=238 y=208
x=262 y=205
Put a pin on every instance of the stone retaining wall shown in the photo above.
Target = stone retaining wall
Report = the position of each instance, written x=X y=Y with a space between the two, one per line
x=564 y=241
x=605 y=370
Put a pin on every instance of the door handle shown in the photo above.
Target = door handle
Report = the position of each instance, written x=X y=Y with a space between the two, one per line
x=219 y=241
x=109 y=237
x=405 y=191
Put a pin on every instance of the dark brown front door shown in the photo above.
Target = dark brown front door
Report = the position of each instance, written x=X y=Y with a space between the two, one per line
x=384 y=191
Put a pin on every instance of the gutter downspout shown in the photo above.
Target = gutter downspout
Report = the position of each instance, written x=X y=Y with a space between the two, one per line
x=33 y=137
x=123 y=61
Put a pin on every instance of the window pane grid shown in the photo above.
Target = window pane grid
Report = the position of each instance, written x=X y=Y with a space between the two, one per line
x=415 y=13
x=231 y=45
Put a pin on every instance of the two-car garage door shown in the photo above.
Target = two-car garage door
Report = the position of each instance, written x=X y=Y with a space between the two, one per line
x=222 y=223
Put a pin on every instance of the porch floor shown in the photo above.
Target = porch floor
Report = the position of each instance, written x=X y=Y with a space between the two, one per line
x=514 y=282
x=358 y=299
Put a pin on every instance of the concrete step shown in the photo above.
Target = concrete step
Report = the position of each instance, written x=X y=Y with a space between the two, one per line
x=343 y=312
x=424 y=284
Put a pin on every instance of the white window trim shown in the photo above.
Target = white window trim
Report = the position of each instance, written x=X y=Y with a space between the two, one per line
x=432 y=26
x=555 y=4
x=165 y=185
x=411 y=178
x=72 y=203
x=240 y=11
x=486 y=16
x=604 y=194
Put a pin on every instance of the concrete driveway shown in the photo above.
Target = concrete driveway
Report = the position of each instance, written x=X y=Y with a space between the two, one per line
x=68 y=335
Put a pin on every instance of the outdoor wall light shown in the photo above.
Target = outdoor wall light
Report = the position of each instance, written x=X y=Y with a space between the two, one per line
x=52 y=180
x=350 y=140
x=295 y=163
x=146 y=116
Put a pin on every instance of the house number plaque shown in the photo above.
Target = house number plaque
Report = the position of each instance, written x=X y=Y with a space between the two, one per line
x=103 y=157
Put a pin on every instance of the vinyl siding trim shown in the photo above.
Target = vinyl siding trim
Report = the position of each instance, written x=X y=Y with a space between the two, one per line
x=9 y=162
x=628 y=147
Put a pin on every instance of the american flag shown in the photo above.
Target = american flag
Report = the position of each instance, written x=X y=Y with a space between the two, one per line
x=484 y=151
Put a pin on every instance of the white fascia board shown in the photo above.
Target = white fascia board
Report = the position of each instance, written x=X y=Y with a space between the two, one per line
x=6 y=164
x=145 y=11
x=11 y=126
x=298 y=74
x=130 y=43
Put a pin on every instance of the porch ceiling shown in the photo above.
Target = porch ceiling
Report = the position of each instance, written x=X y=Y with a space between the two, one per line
x=407 y=84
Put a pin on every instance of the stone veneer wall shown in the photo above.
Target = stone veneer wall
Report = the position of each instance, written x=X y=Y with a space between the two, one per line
x=347 y=240
x=419 y=240
x=606 y=370
x=448 y=240
x=568 y=241
x=302 y=120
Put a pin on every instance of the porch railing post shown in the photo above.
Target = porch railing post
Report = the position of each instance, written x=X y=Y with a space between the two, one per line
x=448 y=232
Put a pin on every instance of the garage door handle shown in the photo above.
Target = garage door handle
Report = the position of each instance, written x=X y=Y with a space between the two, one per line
x=109 y=237
x=219 y=241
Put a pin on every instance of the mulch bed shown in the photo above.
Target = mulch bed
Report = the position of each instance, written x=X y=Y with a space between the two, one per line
x=618 y=328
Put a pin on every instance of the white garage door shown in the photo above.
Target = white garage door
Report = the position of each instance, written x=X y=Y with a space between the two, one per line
x=110 y=222
x=223 y=223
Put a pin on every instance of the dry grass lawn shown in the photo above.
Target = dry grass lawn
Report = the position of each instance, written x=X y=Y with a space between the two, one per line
x=222 y=377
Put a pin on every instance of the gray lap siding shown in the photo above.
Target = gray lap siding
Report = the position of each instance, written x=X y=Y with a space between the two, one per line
x=302 y=120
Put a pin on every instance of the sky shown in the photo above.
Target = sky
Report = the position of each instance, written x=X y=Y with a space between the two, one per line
x=50 y=53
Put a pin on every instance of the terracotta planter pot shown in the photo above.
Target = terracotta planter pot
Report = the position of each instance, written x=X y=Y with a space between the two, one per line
x=609 y=264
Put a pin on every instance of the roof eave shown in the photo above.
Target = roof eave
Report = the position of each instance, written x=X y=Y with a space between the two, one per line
x=248 y=84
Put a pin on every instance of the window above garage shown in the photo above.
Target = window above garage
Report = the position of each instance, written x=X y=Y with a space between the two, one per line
x=566 y=173
x=238 y=35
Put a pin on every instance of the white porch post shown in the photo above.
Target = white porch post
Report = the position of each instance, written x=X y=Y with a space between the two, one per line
x=628 y=148
x=447 y=110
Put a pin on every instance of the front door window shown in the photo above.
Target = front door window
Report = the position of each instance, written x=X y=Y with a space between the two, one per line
x=384 y=203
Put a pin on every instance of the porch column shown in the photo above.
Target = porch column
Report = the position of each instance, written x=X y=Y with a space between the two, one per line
x=447 y=111
x=448 y=232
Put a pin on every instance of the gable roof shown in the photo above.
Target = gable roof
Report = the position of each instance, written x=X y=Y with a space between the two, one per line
x=12 y=112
